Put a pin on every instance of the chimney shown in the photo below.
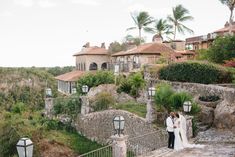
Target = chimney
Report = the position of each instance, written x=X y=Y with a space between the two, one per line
x=86 y=45
x=103 y=45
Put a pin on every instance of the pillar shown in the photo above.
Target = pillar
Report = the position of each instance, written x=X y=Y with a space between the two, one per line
x=149 y=115
x=189 y=126
x=85 y=108
x=119 y=145
x=49 y=107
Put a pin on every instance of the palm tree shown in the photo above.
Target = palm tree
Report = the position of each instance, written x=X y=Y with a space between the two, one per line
x=231 y=6
x=142 y=20
x=162 y=28
x=180 y=15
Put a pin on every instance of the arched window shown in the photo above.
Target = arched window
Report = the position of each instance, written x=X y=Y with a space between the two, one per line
x=93 y=66
x=104 y=66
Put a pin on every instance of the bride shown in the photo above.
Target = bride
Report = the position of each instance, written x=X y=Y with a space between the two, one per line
x=180 y=131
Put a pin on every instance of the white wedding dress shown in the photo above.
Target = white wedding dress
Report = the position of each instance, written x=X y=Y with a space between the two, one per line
x=183 y=133
x=178 y=145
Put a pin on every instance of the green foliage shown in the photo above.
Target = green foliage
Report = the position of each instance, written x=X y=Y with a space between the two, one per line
x=202 y=54
x=195 y=109
x=223 y=48
x=117 y=47
x=162 y=96
x=18 y=107
x=178 y=99
x=194 y=127
x=133 y=107
x=195 y=72
x=70 y=106
x=55 y=71
x=8 y=139
x=132 y=85
x=124 y=86
x=95 y=79
x=103 y=101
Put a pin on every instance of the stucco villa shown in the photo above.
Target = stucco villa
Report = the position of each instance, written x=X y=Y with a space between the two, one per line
x=138 y=56
x=92 y=58
x=66 y=82
x=205 y=41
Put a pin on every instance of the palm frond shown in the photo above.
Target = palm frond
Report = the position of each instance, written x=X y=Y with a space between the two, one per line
x=131 y=28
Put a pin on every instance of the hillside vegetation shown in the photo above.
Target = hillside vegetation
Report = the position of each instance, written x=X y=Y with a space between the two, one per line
x=21 y=114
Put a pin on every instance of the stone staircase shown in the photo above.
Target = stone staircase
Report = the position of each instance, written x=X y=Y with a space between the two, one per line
x=202 y=127
x=159 y=152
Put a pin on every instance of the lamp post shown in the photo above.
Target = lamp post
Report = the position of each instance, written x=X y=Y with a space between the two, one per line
x=48 y=92
x=118 y=124
x=116 y=72
x=149 y=115
x=187 y=106
x=25 y=147
x=85 y=108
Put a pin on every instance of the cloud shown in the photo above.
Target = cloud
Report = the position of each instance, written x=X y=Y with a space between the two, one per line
x=86 y=2
x=152 y=11
x=46 y=3
x=24 y=3
x=6 y=14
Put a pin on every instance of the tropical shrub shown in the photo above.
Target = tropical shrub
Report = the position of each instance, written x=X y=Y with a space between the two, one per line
x=162 y=96
x=102 y=101
x=223 y=48
x=95 y=79
x=18 y=107
x=132 y=85
x=195 y=72
x=69 y=106
x=195 y=109
x=178 y=99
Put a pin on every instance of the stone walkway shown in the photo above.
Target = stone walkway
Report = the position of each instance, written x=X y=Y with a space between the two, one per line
x=217 y=144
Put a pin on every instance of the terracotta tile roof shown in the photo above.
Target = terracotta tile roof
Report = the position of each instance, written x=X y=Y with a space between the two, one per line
x=149 y=48
x=94 y=50
x=225 y=29
x=185 y=52
x=70 y=76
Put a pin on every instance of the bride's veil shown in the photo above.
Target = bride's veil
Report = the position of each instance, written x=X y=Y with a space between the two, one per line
x=183 y=131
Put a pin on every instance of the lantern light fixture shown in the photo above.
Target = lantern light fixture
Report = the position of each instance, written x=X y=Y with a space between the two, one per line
x=119 y=123
x=25 y=147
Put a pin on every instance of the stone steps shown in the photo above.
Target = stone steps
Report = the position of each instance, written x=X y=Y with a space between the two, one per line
x=202 y=127
x=159 y=152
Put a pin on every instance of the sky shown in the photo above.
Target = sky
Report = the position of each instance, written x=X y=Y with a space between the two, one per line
x=45 y=33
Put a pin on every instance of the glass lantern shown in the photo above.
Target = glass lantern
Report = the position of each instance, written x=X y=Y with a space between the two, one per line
x=187 y=106
x=25 y=147
x=48 y=92
x=85 y=89
x=118 y=123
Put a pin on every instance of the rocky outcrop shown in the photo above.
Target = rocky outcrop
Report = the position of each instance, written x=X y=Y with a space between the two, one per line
x=225 y=115
x=206 y=115
x=111 y=89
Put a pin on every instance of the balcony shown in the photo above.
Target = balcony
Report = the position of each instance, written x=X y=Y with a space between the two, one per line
x=125 y=66
x=198 y=39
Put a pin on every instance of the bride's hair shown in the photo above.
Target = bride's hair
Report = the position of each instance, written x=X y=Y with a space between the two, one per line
x=177 y=115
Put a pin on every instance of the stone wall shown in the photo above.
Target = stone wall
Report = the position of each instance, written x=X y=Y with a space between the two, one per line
x=224 y=113
x=98 y=126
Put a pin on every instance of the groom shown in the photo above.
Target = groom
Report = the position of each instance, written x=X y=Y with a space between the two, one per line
x=170 y=130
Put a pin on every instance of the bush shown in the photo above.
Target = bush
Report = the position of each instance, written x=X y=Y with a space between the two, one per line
x=95 y=79
x=178 y=99
x=70 y=106
x=18 y=108
x=223 y=48
x=195 y=72
x=163 y=94
x=103 y=101
x=132 y=85
x=195 y=109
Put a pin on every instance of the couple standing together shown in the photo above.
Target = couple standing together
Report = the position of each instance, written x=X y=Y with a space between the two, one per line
x=177 y=130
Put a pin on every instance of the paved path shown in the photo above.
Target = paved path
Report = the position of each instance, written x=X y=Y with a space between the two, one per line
x=217 y=144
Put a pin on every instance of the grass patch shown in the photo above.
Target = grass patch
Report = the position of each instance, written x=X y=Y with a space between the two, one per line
x=75 y=141
x=138 y=109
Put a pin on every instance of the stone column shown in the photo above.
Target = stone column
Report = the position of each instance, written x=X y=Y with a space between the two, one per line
x=49 y=107
x=85 y=108
x=189 y=126
x=149 y=115
x=119 y=145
